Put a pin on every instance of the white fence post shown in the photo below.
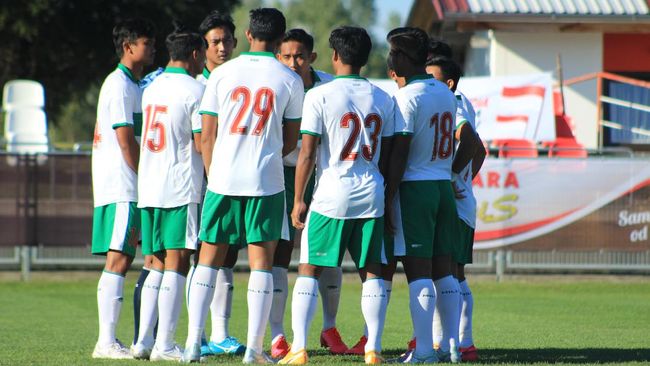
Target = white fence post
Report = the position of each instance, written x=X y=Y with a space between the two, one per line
x=25 y=262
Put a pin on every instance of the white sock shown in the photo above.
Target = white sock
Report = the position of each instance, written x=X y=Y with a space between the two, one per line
x=437 y=327
x=280 y=294
x=149 y=307
x=109 y=303
x=190 y=273
x=388 y=285
x=221 y=305
x=169 y=307
x=373 y=307
x=260 y=297
x=198 y=302
x=448 y=293
x=303 y=307
x=329 y=286
x=422 y=300
x=467 y=300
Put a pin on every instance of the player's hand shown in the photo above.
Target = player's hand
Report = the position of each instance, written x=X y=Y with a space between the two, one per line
x=458 y=192
x=298 y=215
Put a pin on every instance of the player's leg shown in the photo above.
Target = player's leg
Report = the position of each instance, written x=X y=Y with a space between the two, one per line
x=281 y=260
x=116 y=229
x=263 y=221
x=221 y=307
x=366 y=248
x=447 y=288
x=136 y=296
x=329 y=286
x=467 y=349
x=220 y=224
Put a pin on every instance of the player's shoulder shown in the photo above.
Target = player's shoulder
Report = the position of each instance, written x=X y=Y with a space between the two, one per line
x=120 y=84
x=323 y=77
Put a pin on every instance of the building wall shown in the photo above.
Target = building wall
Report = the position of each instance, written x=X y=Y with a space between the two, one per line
x=581 y=53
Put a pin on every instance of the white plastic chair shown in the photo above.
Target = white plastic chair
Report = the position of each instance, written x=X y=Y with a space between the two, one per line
x=25 y=121
x=22 y=93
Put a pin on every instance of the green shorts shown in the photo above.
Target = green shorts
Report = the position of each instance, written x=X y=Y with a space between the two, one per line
x=465 y=243
x=116 y=226
x=324 y=240
x=289 y=191
x=428 y=218
x=170 y=228
x=238 y=220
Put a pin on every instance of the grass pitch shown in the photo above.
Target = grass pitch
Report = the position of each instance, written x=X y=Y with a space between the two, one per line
x=537 y=320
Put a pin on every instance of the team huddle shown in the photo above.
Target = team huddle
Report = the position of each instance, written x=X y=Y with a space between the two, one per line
x=262 y=152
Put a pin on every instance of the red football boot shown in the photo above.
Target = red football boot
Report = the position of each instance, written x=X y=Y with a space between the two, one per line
x=359 y=348
x=469 y=354
x=410 y=346
x=279 y=347
x=331 y=339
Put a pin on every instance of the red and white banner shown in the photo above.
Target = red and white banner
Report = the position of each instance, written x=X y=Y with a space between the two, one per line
x=512 y=106
x=542 y=204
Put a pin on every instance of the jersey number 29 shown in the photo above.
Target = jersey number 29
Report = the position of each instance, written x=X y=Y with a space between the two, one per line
x=262 y=107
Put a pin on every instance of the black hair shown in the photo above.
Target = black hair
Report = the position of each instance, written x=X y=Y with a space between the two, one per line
x=182 y=42
x=129 y=30
x=410 y=41
x=217 y=19
x=267 y=24
x=352 y=44
x=439 y=48
x=448 y=68
x=300 y=36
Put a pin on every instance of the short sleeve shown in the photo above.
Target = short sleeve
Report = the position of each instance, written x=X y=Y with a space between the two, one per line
x=210 y=103
x=405 y=115
x=293 y=111
x=389 y=119
x=462 y=115
x=312 y=115
x=121 y=110
x=195 y=117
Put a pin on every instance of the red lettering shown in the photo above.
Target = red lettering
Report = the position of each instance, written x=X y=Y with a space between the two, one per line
x=511 y=180
x=478 y=181
x=493 y=180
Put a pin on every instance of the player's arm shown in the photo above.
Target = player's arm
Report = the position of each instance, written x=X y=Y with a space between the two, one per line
x=128 y=146
x=304 y=169
x=290 y=132
x=478 y=159
x=197 y=141
x=208 y=134
x=384 y=156
x=469 y=142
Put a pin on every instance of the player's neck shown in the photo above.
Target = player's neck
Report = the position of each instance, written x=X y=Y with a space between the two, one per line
x=210 y=66
x=262 y=46
x=308 y=80
x=136 y=68
x=410 y=72
x=343 y=70
x=180 y=64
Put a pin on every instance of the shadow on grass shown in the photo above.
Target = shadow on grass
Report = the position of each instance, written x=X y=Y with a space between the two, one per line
x=556 y=355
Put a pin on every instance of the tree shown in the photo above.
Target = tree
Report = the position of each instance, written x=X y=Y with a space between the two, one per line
x=67 y=46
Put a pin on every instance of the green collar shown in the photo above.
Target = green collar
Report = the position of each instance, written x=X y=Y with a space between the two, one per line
x=206 y=73
x=314 y=79
x=267 y=54
x=351 y=76
x=176 y=70
x=418 y=77
x=127 y=72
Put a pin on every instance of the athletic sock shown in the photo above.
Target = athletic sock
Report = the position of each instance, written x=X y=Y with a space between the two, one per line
x=110 y=289
x=136 y=302
x=190 y=273
x=149 y=307
x=329 y=286
x=448 y=294
x=437 y=326
x=373 y=307
x=169 y=307
x=221 y=305
x=199 y=297
x=467 y=300
x=422 y=300
x=279 y=304
x=260 y=297
x=303 y=307
x=388 y=285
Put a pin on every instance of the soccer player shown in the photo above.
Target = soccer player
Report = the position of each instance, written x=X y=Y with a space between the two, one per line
x=468 y=160
x=251 y=112
x=296 y=51
x=169 y=189
x=419 y=182
x=219 y=32
x=116 y=218
x=350 y=118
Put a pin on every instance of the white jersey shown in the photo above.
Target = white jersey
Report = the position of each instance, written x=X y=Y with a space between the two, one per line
x=319 y=78
x=119 y=105
x=170 y=172
x=252 y=95
x=428 y=110
x=466 y=207
x=350 y=115
x=203 y=76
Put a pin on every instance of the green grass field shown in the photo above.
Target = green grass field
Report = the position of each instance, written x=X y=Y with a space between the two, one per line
x=535 y=320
